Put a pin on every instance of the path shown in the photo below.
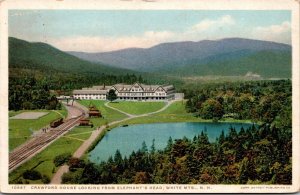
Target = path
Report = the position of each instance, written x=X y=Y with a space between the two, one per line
x=73 y=113
x=127 y=114
x=58 y=113
x=146 y=114
x=57 y=178
x=78 y=139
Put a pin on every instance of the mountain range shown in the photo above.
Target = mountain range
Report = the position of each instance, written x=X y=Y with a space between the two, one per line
x=226 y=57
x=42 y=56
x=231 y=56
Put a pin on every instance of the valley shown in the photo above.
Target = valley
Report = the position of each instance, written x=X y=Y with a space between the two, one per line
x=227 y=81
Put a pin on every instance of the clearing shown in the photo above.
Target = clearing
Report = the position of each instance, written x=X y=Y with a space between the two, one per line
x=29 y=115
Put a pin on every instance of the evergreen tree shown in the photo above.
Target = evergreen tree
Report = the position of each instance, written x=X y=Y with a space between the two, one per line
x=111 y=96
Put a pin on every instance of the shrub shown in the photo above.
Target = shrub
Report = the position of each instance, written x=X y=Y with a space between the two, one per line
x=71 y=177
x=215 y=120
x=67 y=178
x=45 y=179
x=61 y=159
x=19 y=181
x=75 y=163
x=32 y=175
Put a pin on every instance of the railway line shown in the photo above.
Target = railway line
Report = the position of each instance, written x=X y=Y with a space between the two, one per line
x=37 y=144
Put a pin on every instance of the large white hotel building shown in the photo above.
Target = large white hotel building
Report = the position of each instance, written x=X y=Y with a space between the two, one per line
x=133 y=92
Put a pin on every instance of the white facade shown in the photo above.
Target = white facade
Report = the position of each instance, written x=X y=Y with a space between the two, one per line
x=87 y=94
x=135 y=92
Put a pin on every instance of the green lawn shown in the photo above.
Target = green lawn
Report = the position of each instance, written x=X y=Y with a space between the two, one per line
x=70 y=142
x=63 y=111
x=80 y=132
x=174 y=113
x=43 y=162
x=20 y=130
x=13 y=113
x=137 y=108
x=108 y=114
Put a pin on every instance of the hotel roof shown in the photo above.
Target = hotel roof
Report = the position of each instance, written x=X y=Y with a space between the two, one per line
x=121 y=87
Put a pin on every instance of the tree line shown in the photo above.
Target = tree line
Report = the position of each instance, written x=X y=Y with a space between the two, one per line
x=264 y=101
x=247 y=156
x=28 y=93
x=38 y=90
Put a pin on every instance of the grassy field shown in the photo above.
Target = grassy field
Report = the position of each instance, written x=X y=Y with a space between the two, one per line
x=137 y=108
x=174 y=113
x=20 y=130
x=43 y=162
x=70 y=142
x=63 y=111
x=108 y=114
x=80 y=133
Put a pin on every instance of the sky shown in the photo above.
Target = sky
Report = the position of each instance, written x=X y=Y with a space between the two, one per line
x=101 y=31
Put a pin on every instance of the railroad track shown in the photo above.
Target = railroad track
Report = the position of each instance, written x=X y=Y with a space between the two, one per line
x=37 y=144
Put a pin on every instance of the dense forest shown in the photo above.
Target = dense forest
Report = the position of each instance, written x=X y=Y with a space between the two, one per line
x=28 y=93
x=38 y=89
x=251 y=156
x=260 y=101
x=261 y=154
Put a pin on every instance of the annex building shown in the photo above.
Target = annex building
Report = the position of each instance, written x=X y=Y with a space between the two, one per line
x=135 y=92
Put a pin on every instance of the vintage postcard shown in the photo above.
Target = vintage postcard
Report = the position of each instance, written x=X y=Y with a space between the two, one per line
x=140 y=96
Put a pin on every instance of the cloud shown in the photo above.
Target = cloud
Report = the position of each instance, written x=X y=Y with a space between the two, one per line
x=101 y=44
x=205 y=29
x=145 y=40
x=208 y=24
x=278 y=33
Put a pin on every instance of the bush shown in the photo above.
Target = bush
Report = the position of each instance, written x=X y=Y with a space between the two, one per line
x=215 y=120
x=61 y=159
x=67 y=178
x=45 y=179
x=76 y=163
x=32 y=175
x=28 y=105
x=19 y=181
x=71 y=177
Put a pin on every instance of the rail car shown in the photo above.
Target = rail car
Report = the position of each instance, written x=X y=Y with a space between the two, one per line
x=56 y=122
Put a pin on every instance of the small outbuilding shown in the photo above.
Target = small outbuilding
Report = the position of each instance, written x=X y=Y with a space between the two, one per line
x=94 y=112
x=85 y=122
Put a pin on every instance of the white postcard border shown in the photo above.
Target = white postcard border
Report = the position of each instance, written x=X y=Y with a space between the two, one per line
x=292 y=5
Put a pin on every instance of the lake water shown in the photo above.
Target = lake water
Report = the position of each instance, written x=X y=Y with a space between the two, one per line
x=128 y=139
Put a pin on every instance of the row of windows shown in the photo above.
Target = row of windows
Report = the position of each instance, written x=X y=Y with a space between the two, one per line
x=121 y=94
x=89 y=98
x=142 y=98
x=89 y=95
x=132 y=94
x=136 y=90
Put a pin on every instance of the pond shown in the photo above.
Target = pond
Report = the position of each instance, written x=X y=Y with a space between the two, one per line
x=130 y=138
